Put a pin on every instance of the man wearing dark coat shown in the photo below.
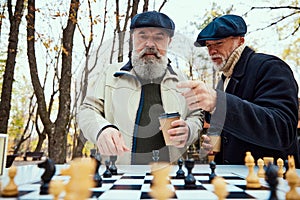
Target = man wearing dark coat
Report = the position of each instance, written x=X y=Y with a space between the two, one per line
x=255 y=105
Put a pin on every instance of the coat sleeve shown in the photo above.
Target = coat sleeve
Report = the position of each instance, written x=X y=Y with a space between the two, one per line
x=195 y=121
x=264 y=113
x=90 y=116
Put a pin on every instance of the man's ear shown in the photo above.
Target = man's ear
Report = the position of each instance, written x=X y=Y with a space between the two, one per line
x=242 y=40
x=170 y=41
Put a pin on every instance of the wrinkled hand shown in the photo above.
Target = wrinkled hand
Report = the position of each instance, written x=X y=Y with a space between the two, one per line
x=111 y=142
x=179 y=133
x=199 y=96
x=206 y=145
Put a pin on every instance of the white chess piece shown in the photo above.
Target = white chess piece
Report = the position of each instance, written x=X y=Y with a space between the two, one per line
x=11 y=189
x=252 y=179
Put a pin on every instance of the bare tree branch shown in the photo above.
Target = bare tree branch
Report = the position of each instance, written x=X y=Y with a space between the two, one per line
x=277 y=21
x=162 y=5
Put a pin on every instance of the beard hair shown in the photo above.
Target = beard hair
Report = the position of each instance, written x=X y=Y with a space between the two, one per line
x=149 y=69
x=219 y=67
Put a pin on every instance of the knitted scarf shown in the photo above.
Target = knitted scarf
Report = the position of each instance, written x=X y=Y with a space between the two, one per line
x=232 y=60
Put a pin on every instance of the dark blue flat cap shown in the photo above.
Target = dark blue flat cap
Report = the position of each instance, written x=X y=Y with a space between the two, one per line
x=222 y=27
x=153 y=19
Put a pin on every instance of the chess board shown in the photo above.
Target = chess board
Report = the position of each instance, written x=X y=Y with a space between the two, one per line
x=134 y=182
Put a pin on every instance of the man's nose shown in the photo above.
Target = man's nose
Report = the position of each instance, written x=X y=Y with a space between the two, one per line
x=150 y=43
x=212 y=51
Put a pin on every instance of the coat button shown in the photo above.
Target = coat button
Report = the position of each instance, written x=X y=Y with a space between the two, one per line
x=225 y=139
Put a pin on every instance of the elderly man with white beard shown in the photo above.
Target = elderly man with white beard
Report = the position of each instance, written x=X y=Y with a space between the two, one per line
x=120 y=112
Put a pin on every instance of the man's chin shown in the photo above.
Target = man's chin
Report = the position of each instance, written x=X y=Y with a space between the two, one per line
x=218 y=67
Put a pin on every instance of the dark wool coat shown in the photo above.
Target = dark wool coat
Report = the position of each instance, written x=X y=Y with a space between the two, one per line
x=258 y=112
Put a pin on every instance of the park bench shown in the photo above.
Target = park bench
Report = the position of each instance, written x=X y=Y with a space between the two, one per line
x=33 y=155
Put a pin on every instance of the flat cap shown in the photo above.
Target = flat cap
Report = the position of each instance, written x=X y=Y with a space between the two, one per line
x=222 y=27
x=153 y=19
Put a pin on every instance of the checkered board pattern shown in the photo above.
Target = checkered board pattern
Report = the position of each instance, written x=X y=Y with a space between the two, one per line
x=135 y=186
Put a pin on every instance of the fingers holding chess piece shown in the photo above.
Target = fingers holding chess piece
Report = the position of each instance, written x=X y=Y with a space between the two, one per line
x=11 y=189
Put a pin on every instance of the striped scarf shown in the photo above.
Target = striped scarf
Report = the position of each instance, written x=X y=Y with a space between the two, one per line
x=232 y=60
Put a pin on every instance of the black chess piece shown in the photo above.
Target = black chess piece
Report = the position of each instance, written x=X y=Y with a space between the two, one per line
x=97 y=178
x=155 y=155
x=272 y=179
x=286 y=166
x=107 y=173
x=180 y=172
x=190 y=181
x=113 y=168
x=212 y=175
x=46 y=177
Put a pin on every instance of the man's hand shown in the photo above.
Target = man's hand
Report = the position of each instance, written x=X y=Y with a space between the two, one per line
x=179 y=133
x=111 y=142
x=199 y=96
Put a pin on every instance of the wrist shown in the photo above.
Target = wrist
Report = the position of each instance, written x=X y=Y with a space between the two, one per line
x=105 y=127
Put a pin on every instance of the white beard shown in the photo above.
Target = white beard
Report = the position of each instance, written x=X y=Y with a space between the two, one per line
x=219 y=67
x=149 y=69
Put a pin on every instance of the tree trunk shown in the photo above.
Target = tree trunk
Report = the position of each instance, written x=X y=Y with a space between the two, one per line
x=5 y=104
x=80 y=141
x=39 y=145
x=58 y=141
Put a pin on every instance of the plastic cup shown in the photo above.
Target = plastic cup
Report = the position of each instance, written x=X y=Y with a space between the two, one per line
x=215 y=140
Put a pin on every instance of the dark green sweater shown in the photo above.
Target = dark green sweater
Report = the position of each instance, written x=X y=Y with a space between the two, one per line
x=148 y=136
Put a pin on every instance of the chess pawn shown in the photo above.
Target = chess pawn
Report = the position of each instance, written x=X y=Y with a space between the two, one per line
x=261 y=171
x=252 y=179
x=212 y=175
x=11 y=189
x=107 y=173
x=220 y=187
x=180 y=172
x=113 y=168
x=280 y=167
x=292 y=178
x=190 y=181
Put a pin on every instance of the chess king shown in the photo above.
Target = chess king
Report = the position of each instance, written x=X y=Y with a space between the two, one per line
x=121 y=110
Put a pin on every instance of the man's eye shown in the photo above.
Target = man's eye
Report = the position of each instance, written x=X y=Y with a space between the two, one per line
x=144 y=37
x=158 y=38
